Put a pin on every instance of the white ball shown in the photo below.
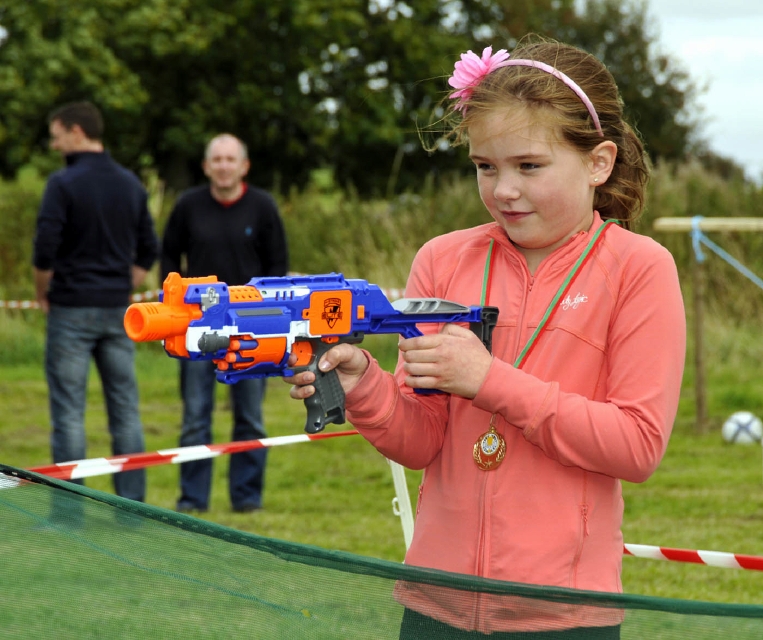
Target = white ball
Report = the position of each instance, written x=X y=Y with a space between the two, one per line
x=743 y=427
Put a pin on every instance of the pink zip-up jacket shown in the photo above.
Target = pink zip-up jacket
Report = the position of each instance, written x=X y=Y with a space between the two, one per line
x=593 y=403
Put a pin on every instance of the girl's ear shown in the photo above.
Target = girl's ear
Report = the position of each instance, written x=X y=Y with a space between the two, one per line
x=602 y=161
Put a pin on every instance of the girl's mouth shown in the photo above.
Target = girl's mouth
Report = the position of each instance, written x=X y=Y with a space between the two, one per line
x=514 y=215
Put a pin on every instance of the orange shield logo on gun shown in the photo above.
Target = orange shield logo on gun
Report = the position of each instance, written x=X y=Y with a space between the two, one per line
x=330 y=312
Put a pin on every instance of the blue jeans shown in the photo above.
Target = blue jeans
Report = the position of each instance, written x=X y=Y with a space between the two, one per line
x=247 y=469
x=74 y=336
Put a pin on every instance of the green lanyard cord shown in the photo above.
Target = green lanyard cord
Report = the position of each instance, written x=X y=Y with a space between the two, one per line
x=486 y=274
x=562 y=289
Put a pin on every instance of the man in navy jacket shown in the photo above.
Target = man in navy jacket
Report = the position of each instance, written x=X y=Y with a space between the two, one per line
x=232 y=230
x=95 y=243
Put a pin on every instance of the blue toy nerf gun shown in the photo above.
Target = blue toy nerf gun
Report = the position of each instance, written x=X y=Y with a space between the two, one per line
x=250 y=330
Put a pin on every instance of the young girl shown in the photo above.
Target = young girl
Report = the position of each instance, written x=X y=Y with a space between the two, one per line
x=524 y=451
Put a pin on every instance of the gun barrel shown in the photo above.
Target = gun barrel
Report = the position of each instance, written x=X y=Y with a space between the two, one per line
x=146 y=321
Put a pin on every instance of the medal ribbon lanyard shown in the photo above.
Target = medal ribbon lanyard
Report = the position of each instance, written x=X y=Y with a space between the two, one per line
x=490 y=449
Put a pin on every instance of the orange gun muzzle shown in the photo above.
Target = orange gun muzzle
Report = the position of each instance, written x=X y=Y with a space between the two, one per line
x=147 y=321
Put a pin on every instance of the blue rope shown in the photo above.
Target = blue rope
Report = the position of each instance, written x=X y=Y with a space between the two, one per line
x=698 y=239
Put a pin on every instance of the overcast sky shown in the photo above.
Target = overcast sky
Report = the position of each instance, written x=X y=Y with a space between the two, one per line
x=720 y=44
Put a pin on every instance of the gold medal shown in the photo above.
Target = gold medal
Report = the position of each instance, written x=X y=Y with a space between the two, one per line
x=490 y=448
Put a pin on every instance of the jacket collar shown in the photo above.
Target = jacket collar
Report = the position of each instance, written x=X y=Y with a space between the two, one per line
x=84 y=156
x=562 y=257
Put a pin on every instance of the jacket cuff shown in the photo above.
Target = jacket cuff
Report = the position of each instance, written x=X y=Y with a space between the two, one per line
x=372 y=400
x=528 y=395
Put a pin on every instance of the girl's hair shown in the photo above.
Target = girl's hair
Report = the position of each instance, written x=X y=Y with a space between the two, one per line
x=546 y=97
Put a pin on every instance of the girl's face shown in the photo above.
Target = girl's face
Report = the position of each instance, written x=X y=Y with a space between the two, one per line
x=539 y=190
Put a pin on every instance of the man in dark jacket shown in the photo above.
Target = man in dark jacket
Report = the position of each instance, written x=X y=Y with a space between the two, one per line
x=231 y=230
x=95 y=243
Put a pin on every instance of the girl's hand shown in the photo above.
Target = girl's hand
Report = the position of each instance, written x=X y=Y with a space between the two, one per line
x=350 y=364
x=454 y=361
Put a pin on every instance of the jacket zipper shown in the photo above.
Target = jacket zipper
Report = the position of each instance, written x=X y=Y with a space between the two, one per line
x=584 y=533
x=518 y=344
x=421 y=493
x=481 y=548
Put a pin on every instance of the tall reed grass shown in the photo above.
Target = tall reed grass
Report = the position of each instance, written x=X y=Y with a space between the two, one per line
x=19 y=201
x=685 y=191
x=333 y=229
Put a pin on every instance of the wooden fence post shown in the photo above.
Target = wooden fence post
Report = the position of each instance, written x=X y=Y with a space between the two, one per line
x=698 y=292
x=700 y=395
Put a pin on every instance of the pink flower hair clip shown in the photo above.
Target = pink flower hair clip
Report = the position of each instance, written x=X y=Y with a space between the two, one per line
x=470 y=70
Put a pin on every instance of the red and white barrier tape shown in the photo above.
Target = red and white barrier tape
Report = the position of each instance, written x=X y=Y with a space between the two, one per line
x=710 y=558
x=146 y=295
x=33 y=304
x=103 y=466
x=19 y=304
x=391 y=293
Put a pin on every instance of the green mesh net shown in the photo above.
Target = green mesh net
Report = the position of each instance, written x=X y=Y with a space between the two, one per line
x=80 y=563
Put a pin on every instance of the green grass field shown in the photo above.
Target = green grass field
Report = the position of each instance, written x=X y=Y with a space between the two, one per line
x=337 y=493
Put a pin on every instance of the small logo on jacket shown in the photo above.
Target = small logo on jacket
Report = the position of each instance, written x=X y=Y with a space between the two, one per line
x=573 y=303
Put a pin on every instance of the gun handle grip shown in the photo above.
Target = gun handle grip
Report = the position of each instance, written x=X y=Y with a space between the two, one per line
x=484 y=328
x=326 y=405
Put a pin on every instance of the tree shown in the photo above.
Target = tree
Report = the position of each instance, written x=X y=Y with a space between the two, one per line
x=337 y=84
x=290 y=78
x=659 y=95
x=54 y=52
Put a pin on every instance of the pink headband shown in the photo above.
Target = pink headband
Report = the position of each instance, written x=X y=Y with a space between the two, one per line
x=472 y=69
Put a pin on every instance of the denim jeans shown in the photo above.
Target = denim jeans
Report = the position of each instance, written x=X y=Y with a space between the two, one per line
x=74 y=336
x=247 y=469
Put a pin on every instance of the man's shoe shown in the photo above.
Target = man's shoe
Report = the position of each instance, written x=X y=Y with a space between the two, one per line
x=187 y=507
x=246 y=508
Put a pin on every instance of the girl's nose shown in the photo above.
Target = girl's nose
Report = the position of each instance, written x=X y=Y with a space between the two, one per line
x=506 y=189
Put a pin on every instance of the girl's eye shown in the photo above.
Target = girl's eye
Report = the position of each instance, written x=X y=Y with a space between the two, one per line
x=528 y=166
x=484 y=166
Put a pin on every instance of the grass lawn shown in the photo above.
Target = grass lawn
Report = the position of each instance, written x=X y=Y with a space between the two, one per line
x=337 y=493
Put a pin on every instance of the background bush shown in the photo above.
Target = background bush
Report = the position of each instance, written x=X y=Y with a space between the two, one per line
x=19 y=202
x=334 y=229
